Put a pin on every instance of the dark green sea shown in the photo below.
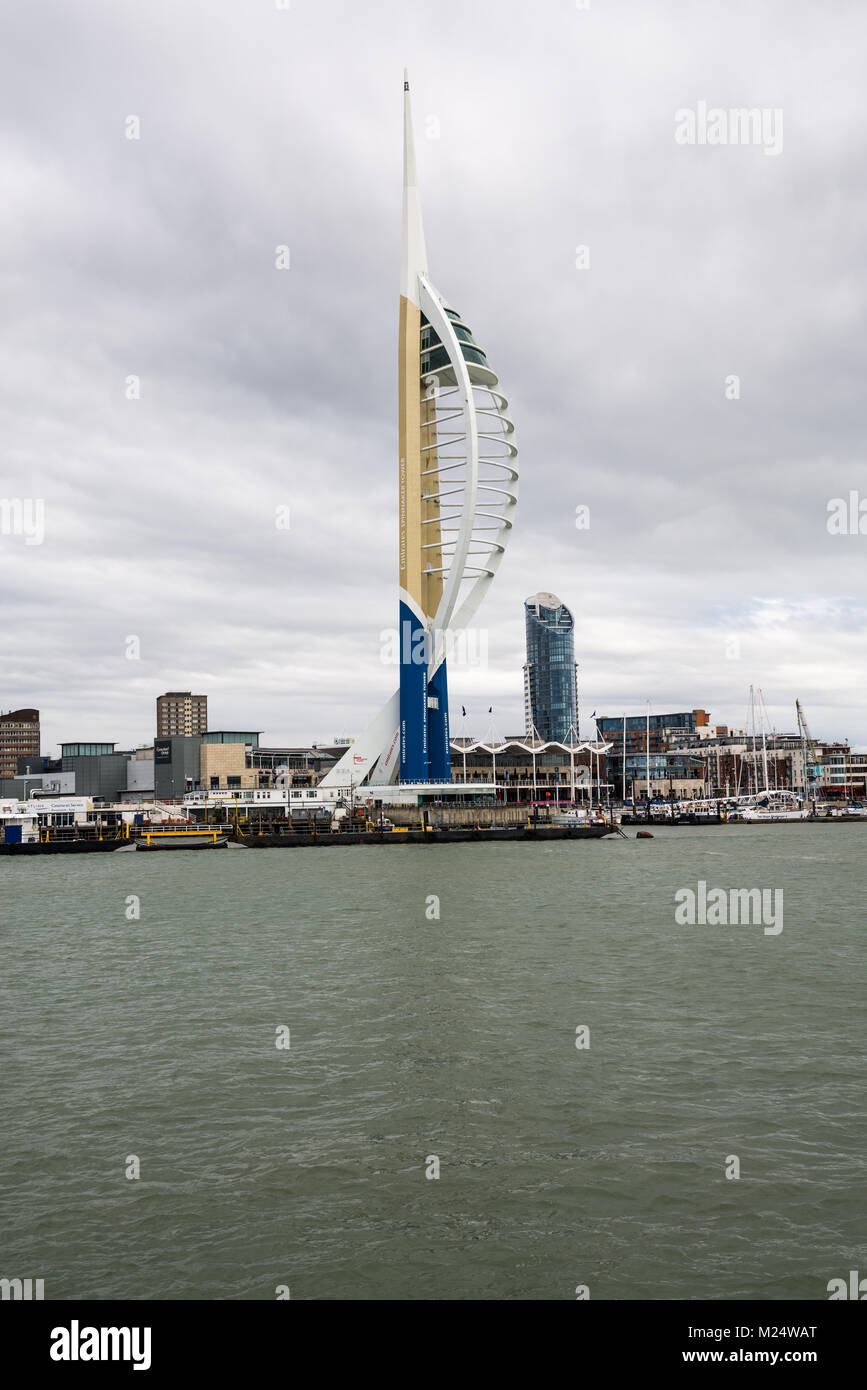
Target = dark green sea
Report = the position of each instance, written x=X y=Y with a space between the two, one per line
x=415 y=1037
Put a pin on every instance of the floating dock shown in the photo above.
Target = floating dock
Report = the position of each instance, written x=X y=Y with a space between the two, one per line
x=81 y=846
x=489 y=835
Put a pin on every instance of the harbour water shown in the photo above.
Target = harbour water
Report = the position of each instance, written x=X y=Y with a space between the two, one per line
x=421 y=1029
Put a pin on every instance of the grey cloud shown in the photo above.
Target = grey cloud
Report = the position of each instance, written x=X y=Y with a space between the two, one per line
x=262 y=387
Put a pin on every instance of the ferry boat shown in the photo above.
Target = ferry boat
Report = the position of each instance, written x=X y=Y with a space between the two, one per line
x=54 y=825
x=18 y=826
x=76 y=824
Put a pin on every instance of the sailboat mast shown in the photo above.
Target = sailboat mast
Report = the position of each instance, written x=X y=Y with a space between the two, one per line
x=762 y=713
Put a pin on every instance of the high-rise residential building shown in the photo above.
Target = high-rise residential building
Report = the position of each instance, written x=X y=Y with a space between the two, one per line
x=457 y=495
x=550 y=673
x=19 y=738
x=179 y=712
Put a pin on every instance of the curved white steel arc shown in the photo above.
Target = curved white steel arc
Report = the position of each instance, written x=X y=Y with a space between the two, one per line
x=482 y=404
x=504 y=485
x=433 y=308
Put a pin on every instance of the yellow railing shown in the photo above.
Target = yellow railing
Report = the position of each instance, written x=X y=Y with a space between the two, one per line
x=212 y=835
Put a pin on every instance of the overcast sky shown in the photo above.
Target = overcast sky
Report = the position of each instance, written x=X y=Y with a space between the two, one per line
x=707 y=565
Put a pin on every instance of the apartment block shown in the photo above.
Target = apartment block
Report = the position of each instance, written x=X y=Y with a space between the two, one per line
x=19 y=738
x=181 y=714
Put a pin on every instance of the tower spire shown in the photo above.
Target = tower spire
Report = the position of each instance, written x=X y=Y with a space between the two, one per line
x=414 y=256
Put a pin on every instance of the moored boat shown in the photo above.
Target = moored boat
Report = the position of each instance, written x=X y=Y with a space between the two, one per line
x=182 y=839
x=571 y=817
x=775 y=806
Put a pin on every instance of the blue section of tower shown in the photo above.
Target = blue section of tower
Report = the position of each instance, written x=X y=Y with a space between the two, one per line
x=438 y=726
x=414 y=657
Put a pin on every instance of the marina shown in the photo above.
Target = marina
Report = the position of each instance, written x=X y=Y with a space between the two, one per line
x=269 y=819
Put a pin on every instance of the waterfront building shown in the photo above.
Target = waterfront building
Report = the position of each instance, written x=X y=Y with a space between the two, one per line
x=28 y=784
x=224 y=758
x=295 y=766
x=34 y=763
x=180 y=712
x=843 y=773
x=663 y=729
x=140 y=774
x=732 y=762
x=99 y=769
x=19 y=738
x=674 y=771
x=225 y=765
x=672 y=777
x=856 y=772
x=457 y=490
x=550 y=672
x=218 y=758
x=533 y=769
x=95 y=770
x=249 y=737
x=177 y=763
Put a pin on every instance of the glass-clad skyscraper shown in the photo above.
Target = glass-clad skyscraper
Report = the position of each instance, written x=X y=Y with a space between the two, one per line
x=550 y=693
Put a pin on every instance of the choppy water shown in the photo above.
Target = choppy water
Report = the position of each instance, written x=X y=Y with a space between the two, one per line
x=454 y=1037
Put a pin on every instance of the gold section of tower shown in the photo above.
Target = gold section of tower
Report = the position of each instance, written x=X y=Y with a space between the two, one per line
x=419 y=515
x=409 y=445
x=432 y=583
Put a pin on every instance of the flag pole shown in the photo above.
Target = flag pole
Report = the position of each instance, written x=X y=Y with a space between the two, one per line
x=535 y=740
x=647 y=757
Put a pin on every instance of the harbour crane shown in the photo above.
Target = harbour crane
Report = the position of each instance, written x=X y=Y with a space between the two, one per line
x=812 y=771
